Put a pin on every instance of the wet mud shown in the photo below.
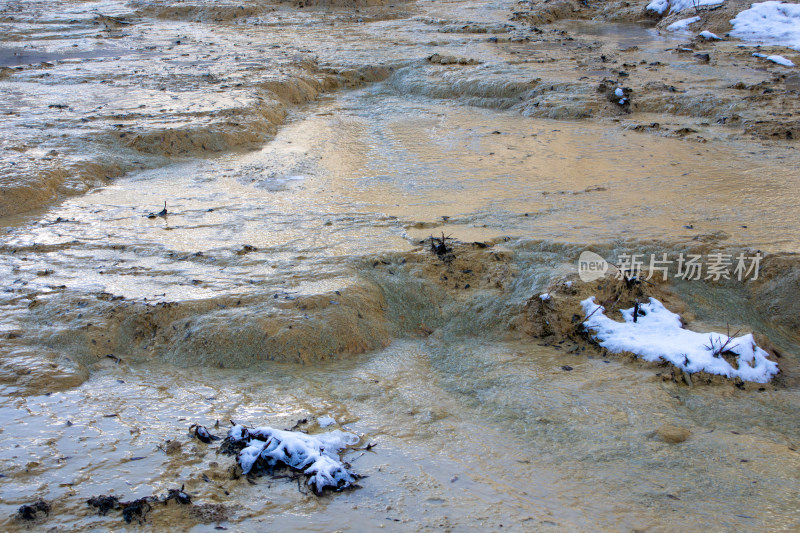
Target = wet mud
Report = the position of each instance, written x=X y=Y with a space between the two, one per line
x=347 y=212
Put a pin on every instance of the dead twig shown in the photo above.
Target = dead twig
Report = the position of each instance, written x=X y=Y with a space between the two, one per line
x=718 y=350
x=440 y=248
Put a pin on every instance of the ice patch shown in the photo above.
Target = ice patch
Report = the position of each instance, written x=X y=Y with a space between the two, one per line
x=658 y=334
x=317 y=456
x=683 y=24
x=676 y=6
x=773 y=22
x=325 y=421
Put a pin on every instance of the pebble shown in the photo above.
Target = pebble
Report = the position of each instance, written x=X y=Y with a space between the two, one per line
x=672 y=434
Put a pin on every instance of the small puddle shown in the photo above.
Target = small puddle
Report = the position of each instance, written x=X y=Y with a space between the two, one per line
x=624 y=35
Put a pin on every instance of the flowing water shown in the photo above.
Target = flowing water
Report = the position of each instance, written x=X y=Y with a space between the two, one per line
x=304 y=155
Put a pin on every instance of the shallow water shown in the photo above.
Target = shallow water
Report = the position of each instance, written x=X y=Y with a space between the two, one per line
x=288 y=281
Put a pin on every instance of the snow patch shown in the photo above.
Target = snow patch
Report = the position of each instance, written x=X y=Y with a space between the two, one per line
x=317 y=456
x=545 y=296
x=658 y=334
x=775 y=59
x=774 y=23
x=683 y=24
x=708 y=36
x=780 y=60
x=676 y=6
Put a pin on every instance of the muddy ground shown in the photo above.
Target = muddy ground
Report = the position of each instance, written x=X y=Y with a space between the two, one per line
x=693 y=84
x=163 y=98
x=330 y=251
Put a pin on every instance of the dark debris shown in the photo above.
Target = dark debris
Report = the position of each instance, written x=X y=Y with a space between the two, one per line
x=103 y=503
x=31 y=511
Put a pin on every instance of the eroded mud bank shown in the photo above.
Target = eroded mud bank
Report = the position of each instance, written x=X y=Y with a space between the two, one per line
x=95 y=90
